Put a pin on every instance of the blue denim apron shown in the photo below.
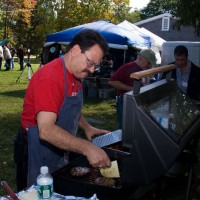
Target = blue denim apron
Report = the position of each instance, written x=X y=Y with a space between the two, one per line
x=42 y=153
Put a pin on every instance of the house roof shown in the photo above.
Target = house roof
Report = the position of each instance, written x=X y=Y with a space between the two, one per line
x=153 y=18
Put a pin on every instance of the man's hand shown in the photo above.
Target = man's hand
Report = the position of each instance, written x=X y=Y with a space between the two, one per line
x=97 y=157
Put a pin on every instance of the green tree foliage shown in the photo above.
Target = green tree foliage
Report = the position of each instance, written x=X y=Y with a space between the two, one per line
x=134 y=16
x=56 y=15
x=188 y=14
x=15 y=16
x=1 y=20
x=157 y=7
x=7 y=8
x=42 y=23
x=120 y=10
x=28 y=22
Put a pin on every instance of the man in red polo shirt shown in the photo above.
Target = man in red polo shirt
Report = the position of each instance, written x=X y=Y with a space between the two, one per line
x=52 y=112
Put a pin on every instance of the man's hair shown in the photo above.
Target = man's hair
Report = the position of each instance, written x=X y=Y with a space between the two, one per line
x=88 y=38
x=181 y=50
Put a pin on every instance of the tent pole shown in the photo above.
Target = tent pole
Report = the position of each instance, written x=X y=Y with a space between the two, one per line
x=124 y=56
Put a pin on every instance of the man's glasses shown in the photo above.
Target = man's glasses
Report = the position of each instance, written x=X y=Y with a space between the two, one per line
x=90 y=63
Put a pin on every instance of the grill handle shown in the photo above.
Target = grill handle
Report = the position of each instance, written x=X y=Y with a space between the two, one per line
x=151 y=72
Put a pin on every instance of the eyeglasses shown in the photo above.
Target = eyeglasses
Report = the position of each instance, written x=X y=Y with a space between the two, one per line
x=90 y=63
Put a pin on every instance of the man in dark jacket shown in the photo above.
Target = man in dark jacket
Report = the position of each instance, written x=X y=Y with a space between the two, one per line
x=20 y=55
x=187 y=74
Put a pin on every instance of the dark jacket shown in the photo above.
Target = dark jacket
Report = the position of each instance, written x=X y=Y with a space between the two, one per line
x=193 y=88
x=20 y=53
x=12 y=51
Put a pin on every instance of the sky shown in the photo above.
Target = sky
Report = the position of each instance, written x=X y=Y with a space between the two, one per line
x=138 y=3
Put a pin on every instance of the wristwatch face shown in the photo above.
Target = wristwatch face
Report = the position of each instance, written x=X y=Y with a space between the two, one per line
x=52 y=49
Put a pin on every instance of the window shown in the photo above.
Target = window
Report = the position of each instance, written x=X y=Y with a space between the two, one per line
x=165 y=23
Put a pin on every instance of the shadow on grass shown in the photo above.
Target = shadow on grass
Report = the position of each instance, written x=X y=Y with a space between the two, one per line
x=14 y=93
x=10 y=122
x=8 y=128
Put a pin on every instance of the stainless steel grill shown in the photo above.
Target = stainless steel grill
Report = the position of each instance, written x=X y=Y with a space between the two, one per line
x=150 y=140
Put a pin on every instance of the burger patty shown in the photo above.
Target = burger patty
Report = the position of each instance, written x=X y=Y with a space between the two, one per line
x=79 y=171
x=108 y=182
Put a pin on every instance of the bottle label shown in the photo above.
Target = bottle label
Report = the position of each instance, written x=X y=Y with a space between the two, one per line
x=45 y=191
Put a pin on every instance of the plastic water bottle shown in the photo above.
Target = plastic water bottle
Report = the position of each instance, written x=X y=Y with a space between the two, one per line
x=45 y=184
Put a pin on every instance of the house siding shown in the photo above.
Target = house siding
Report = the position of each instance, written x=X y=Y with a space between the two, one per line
x=185 y=33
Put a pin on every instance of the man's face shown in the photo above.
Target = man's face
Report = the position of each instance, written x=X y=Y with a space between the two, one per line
x=84 y=63
x=180 y=61
x=145 y=63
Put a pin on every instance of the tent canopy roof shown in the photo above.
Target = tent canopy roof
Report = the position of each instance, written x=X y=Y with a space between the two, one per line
x=116 y=36
x=156 y=41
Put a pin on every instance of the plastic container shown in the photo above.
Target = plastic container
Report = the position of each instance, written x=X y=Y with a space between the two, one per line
x=45 y=184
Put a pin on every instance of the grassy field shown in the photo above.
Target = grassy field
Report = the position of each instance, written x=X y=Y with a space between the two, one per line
x=11 y=100
x=95 y=110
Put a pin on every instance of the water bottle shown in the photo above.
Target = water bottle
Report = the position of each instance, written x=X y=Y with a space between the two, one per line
x=45 y=184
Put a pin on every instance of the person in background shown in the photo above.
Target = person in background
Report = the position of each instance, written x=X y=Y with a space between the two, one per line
x=121 y=80
x=13 y=52
x=1 y=56
x=20 y=55
x=106 y=67
x=187 y=74
x=7 y=57
x=52 y=112
x=107 y=60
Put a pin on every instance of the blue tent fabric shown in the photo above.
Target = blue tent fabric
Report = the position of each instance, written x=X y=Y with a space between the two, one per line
x=3 y=42
x=116 y=36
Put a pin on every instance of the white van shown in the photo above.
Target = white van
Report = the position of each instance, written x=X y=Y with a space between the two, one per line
x=167 y=55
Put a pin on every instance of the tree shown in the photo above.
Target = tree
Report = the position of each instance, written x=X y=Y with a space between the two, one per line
x=28 y=21
x=56 y=15
x=187 y=14
x=15 y=17
x=22 y=20
x=120 y=10
x=7 y=10
x=157 y=7
x=133 y=16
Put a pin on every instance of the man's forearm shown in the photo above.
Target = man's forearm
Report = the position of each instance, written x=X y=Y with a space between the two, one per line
x=63 y=139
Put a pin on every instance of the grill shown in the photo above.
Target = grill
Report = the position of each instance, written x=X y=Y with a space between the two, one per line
x=155 y=132
x=66 y=184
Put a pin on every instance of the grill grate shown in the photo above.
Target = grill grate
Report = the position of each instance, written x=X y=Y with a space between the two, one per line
x=88 y=178
x=66 y=184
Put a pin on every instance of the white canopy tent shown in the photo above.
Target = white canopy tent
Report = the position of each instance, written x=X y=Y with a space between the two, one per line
x=156 y=41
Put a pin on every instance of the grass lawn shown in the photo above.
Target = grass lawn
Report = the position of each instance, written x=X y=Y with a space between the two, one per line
x=11 y=100
x=95 y=110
